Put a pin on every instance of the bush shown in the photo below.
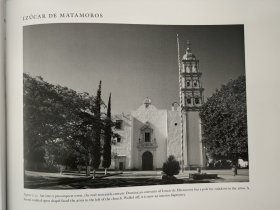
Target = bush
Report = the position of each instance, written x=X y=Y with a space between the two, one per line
x=220 y=164
x=171 y=167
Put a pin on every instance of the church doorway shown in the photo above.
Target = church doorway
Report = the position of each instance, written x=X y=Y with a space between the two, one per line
x=147 y=161
x=121 y=166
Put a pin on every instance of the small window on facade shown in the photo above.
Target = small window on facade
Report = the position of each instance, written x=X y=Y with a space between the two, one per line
x=195 y=84
x=175 y=124
x=147 y=137
x=188 y=83
x=196 y=100
x=189 y=101
x=118 y=124
x=118 y=139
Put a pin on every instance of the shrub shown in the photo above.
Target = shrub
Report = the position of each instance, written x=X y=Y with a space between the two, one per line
x=220 y=164
x=223 y=164
x=171 y=167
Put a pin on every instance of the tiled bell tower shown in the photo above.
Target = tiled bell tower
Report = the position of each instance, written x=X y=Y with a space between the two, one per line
x=191 y=91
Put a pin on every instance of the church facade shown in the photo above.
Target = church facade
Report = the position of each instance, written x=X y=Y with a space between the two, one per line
x=148 y=136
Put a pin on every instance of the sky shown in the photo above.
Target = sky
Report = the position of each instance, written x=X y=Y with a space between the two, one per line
x=132 y=61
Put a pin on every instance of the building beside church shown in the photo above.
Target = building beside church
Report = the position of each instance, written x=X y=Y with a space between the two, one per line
x=147 y=136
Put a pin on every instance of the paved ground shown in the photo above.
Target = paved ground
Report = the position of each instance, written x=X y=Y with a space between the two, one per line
x=70 y=180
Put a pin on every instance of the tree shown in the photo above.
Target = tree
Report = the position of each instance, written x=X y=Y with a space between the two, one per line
x=96 y=132
x=62 y=126
x=171 y=167
x=224 y=122
x=107 y=138
x=63 y=153
x=44 y=117
x=56 y=118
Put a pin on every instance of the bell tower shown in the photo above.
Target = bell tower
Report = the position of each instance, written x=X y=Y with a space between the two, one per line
x=191 y=91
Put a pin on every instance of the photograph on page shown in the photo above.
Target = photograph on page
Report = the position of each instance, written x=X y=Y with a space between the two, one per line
x=120 y=105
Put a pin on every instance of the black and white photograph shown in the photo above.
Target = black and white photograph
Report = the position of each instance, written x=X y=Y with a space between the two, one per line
x=122 y=105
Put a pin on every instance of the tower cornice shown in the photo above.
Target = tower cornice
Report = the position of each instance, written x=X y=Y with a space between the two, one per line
x=192 y=89
x=191 y=73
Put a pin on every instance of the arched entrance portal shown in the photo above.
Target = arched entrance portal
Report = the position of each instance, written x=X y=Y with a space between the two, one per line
x=147 y=161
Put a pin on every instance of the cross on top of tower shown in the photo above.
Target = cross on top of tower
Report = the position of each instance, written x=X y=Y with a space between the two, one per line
x=189 y=45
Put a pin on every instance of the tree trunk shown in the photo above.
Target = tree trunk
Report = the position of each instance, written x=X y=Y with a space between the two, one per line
x=235 y=165
x=61 y=169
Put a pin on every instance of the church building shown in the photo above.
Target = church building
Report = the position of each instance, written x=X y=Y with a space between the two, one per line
x=147 y=136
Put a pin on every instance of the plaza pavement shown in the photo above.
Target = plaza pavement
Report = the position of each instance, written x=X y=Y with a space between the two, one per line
x=70 y=180
x=223 y=175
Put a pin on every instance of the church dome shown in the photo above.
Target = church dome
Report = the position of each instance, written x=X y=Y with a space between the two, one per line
x=147 y=101
x=147 y=105
x=189 y=55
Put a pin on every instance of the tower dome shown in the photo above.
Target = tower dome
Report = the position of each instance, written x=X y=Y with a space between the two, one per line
x=189 y=55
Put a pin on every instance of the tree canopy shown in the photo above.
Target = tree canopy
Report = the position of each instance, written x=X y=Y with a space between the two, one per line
x=60 y=124
x=224 y=122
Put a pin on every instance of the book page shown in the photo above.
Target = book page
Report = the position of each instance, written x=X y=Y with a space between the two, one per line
x=142 y=105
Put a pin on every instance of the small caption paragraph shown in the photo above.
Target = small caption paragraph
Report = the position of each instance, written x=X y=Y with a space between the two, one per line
x=125 y=195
